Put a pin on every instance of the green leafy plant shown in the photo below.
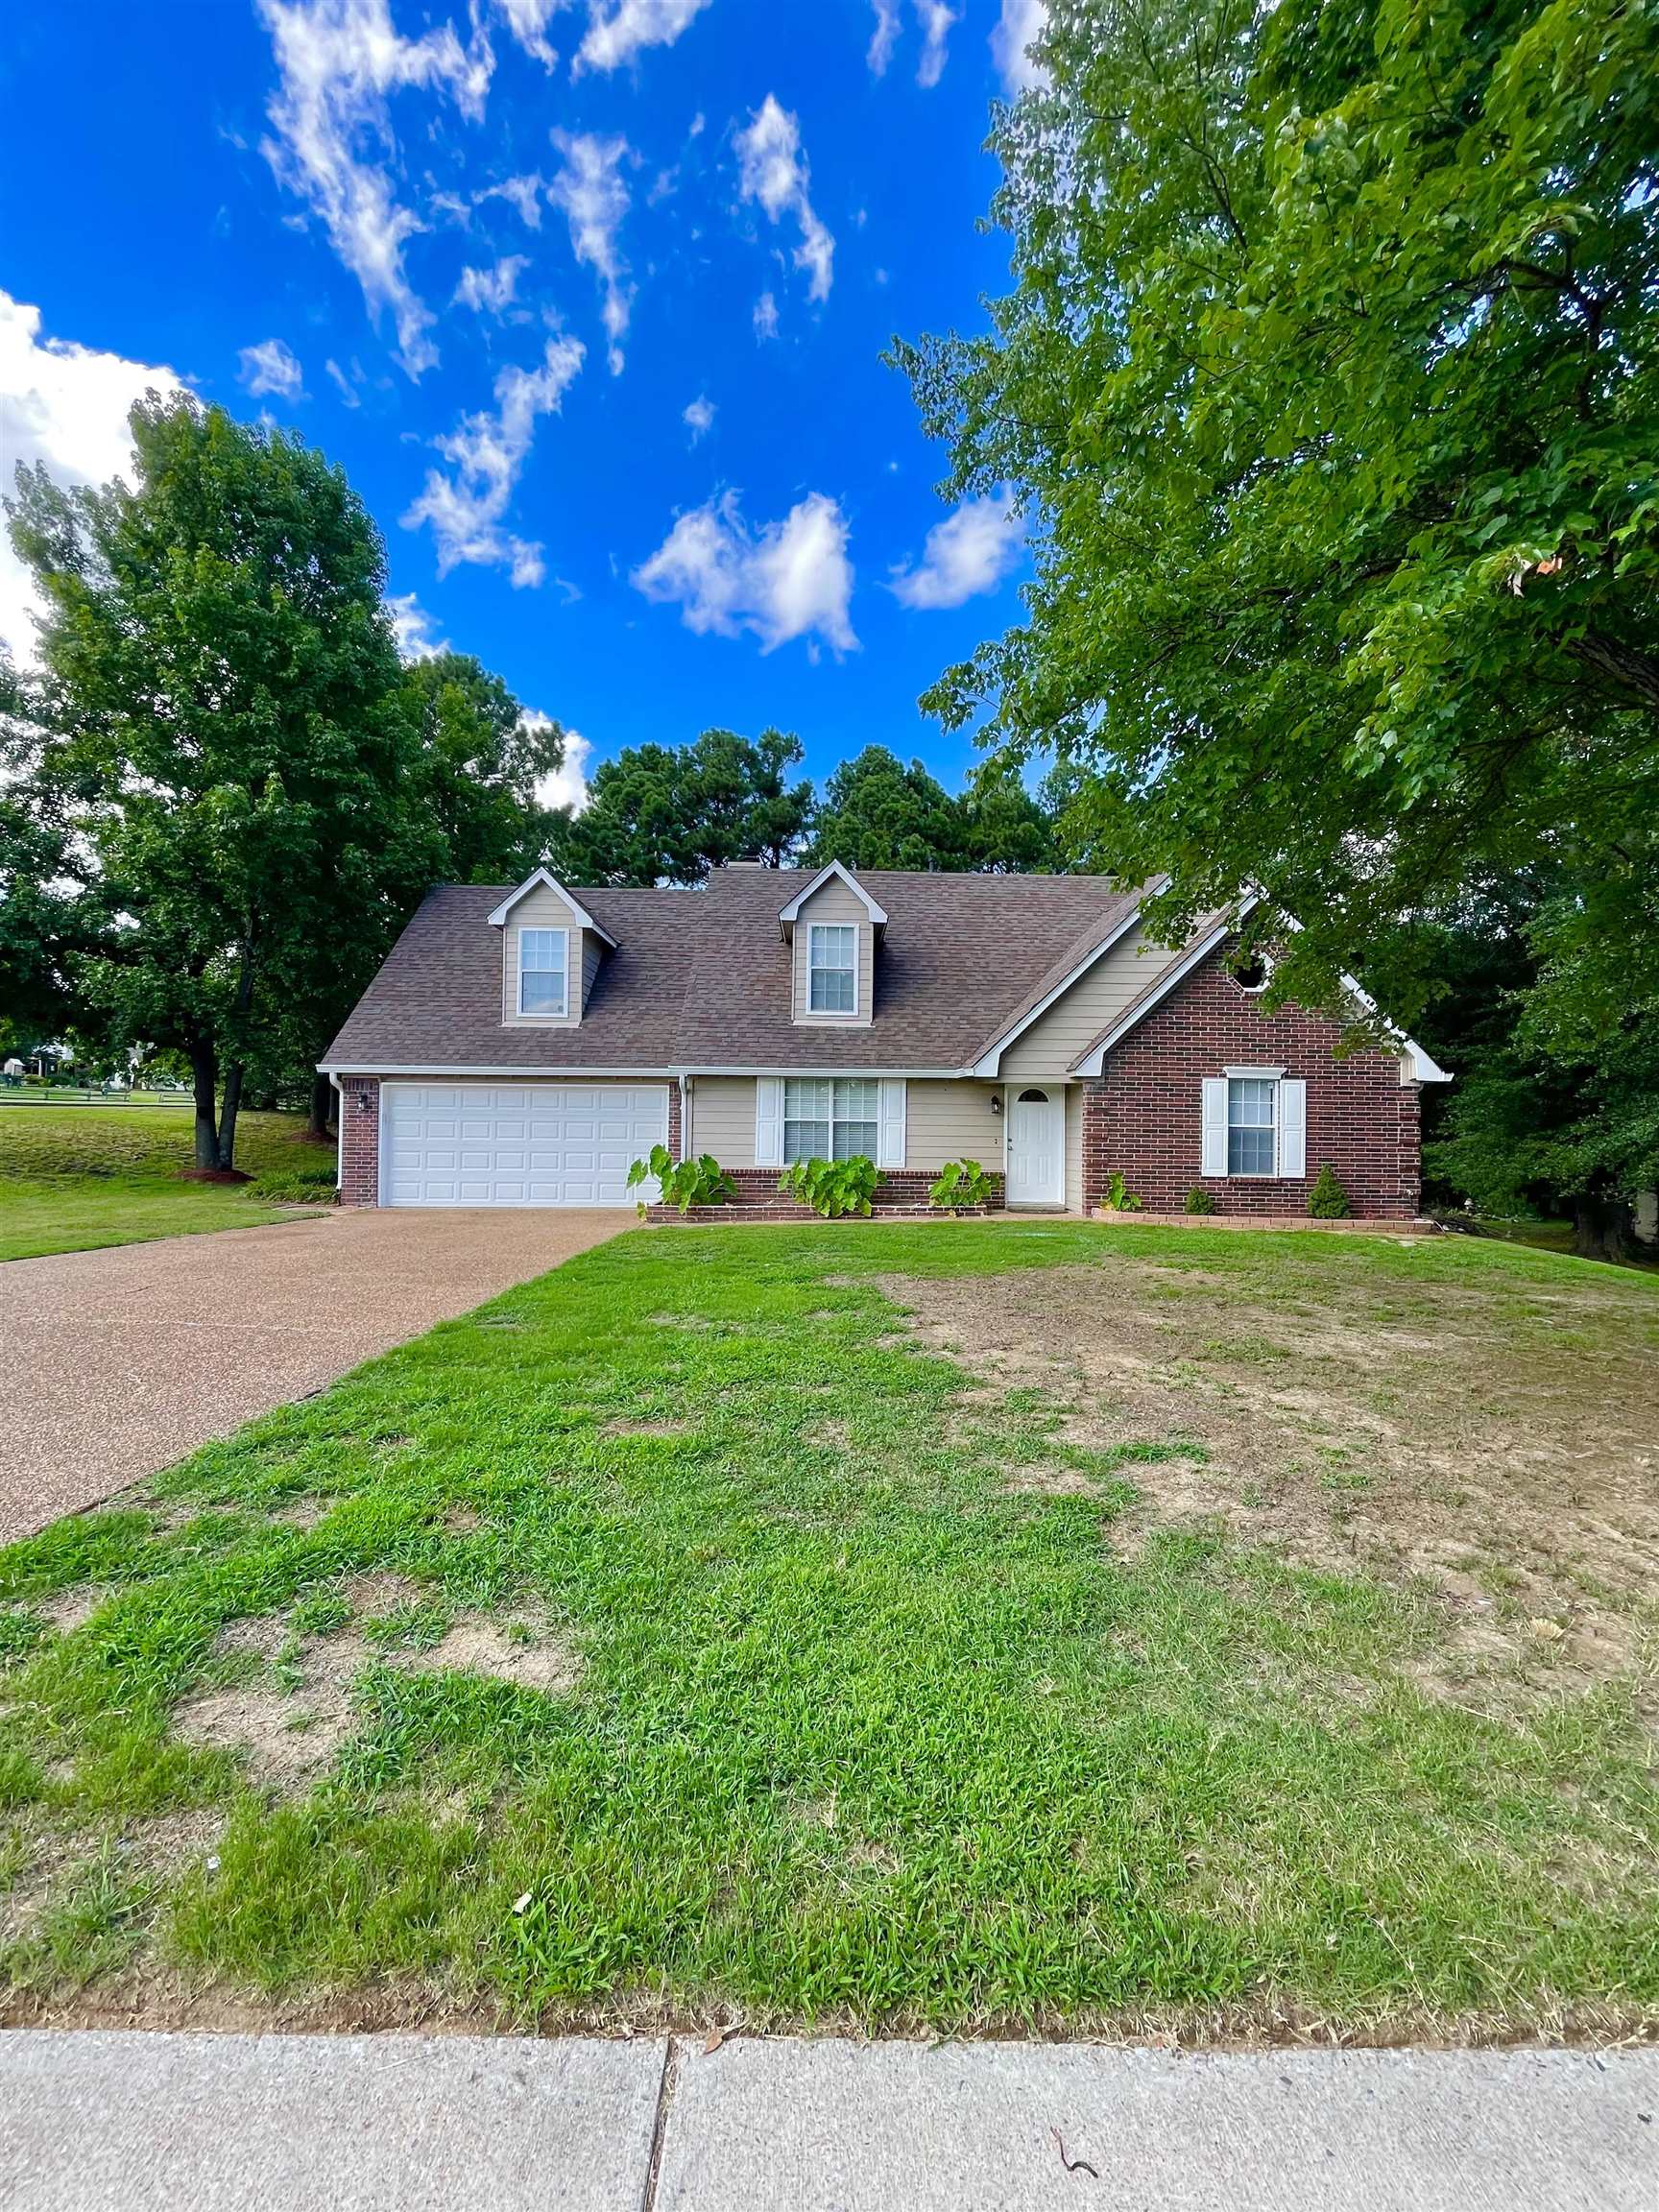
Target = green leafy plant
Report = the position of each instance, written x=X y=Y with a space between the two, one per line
x=683 y=1183
x=1119 y=1198
x=295 y=1184
x=1327 y=1201
x=961 y=1183
x=831 y=1188
x=1199 y=1200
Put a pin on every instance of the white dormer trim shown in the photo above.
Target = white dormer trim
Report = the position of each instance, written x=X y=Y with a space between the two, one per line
x=791 y=912
x=542 y=880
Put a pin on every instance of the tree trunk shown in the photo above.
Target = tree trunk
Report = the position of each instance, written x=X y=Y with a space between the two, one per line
x=204 y=1078
x=227 y=1113
x=1603 y=1229
x=322 y=1105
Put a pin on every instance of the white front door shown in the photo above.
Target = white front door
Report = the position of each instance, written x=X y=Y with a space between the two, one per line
x=517 y=1144
x=1037 y=1146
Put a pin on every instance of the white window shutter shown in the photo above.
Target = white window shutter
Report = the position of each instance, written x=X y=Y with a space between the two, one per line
x=1293 y=1129
x=769 y=1121
x=890 y=1141
x=1215 y=1159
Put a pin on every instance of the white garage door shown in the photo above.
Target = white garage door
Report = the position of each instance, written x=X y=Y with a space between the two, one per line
x=517 y=1144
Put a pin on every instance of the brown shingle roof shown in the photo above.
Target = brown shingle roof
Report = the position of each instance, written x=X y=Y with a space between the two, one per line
x=701 y=979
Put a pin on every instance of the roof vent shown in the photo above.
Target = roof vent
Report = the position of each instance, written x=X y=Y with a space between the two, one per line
x=749 y=860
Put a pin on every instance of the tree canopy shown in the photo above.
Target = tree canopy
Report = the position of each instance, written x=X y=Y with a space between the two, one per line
x=877 y=812
x=668 y=814
x=1328 y=387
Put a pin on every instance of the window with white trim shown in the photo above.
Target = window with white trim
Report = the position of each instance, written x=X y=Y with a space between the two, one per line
x=542 y=970
x=1252 y=1124
x=832 y=968
x=831 y=1118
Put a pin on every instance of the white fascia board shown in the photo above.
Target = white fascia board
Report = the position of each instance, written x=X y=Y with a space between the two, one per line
x=1092 y=1060
x=990 y=1062
x=793 y=1067
x=791 y=912
x=442 y=1071
x=542 y=880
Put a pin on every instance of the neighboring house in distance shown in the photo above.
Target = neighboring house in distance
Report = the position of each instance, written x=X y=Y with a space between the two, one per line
x=522 y=1047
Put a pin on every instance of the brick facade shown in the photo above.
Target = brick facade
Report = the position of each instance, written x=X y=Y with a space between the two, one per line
x=359 y=1140
x=1142 y=1117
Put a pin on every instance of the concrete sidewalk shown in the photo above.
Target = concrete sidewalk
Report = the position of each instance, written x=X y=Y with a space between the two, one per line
x=138 y=2123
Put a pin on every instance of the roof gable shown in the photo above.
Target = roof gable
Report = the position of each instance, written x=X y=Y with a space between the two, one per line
x=542 y=878
x=792 y=911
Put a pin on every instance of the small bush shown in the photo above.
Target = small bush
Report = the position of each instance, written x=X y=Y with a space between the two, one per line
x=1201 y=1201
x=1327 y=1201
x=683 y=1183
x=1119 y=1198
x=831 y=1188
x=961 y=1183
x=299 y=1182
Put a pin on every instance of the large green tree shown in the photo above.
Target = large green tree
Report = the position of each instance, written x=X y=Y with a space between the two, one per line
x=483 y=764
x=668 y=814
x=1328 y=386
x=875 y=811
x=221 y=723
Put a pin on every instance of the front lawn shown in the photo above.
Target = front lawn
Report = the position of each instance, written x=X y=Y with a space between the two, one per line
x=945 y=1627
x=73 y=1177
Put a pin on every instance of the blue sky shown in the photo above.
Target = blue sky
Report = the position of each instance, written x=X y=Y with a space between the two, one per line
x=488 y=258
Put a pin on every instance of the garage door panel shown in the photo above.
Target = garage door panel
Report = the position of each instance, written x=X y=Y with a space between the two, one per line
x=516 y=1144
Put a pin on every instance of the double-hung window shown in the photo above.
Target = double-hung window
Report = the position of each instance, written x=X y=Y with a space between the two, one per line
x=831 y=1118
x=1252 y=1126
x=832 y=968
x=542 y=970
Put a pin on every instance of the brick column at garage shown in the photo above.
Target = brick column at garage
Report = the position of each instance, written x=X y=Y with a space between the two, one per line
x=674 y=1150
x=359 y=1140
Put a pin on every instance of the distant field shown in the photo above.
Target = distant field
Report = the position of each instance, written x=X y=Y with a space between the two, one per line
x=74 y=1177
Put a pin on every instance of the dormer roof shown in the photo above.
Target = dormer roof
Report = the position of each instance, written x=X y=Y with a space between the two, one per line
x=542 y=880
x=790 y=913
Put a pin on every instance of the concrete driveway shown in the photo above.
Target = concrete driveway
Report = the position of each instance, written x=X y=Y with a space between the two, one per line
x=114 y=1364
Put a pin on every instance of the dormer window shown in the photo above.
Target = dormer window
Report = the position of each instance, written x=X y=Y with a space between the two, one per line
x=832 y=961
x=543 y=963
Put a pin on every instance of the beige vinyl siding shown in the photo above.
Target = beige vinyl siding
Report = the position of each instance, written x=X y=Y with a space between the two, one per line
x=951 y=1121
x=1074 y=1147
x=723 y=1119
x=943 y=1121
x=1093 y=1003
x=542 y=909
x=837 y=901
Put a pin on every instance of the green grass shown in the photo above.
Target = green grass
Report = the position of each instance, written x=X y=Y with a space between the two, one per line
x=73 y=1177
x=858 y=1733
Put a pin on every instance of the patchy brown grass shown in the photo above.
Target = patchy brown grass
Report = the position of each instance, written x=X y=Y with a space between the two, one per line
x=1497 y=1446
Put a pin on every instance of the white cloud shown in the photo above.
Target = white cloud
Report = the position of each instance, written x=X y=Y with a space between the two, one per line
x=618 y=30
x=338 y=61
x=884 y=38
x=1020 y=23
x=935 y=19
x=774 y=173
x=590 y=190
x=65 y=405
x=699 y=417
x=523 y=193
x=271 y=367
x=970 y=552
x=491 y=290
x=765 y=317
x=486 y=452
x=528 y=20
x=413 y=629
x=791 y=579
x=567 y=785
x=344 y=384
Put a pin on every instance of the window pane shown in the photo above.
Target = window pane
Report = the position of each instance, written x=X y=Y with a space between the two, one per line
x=831 y=944
x=1250 y=1152
x=833 y=953
x=805 y=1140
x=832 y=991
x=859 y=1100
x=541 y=993
x=806 y=1098
x=855 y=1140
x=541 y=948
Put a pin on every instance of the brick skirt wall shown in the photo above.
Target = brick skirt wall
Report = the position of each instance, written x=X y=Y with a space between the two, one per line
x=1143 y=1115
x=359 y=1140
